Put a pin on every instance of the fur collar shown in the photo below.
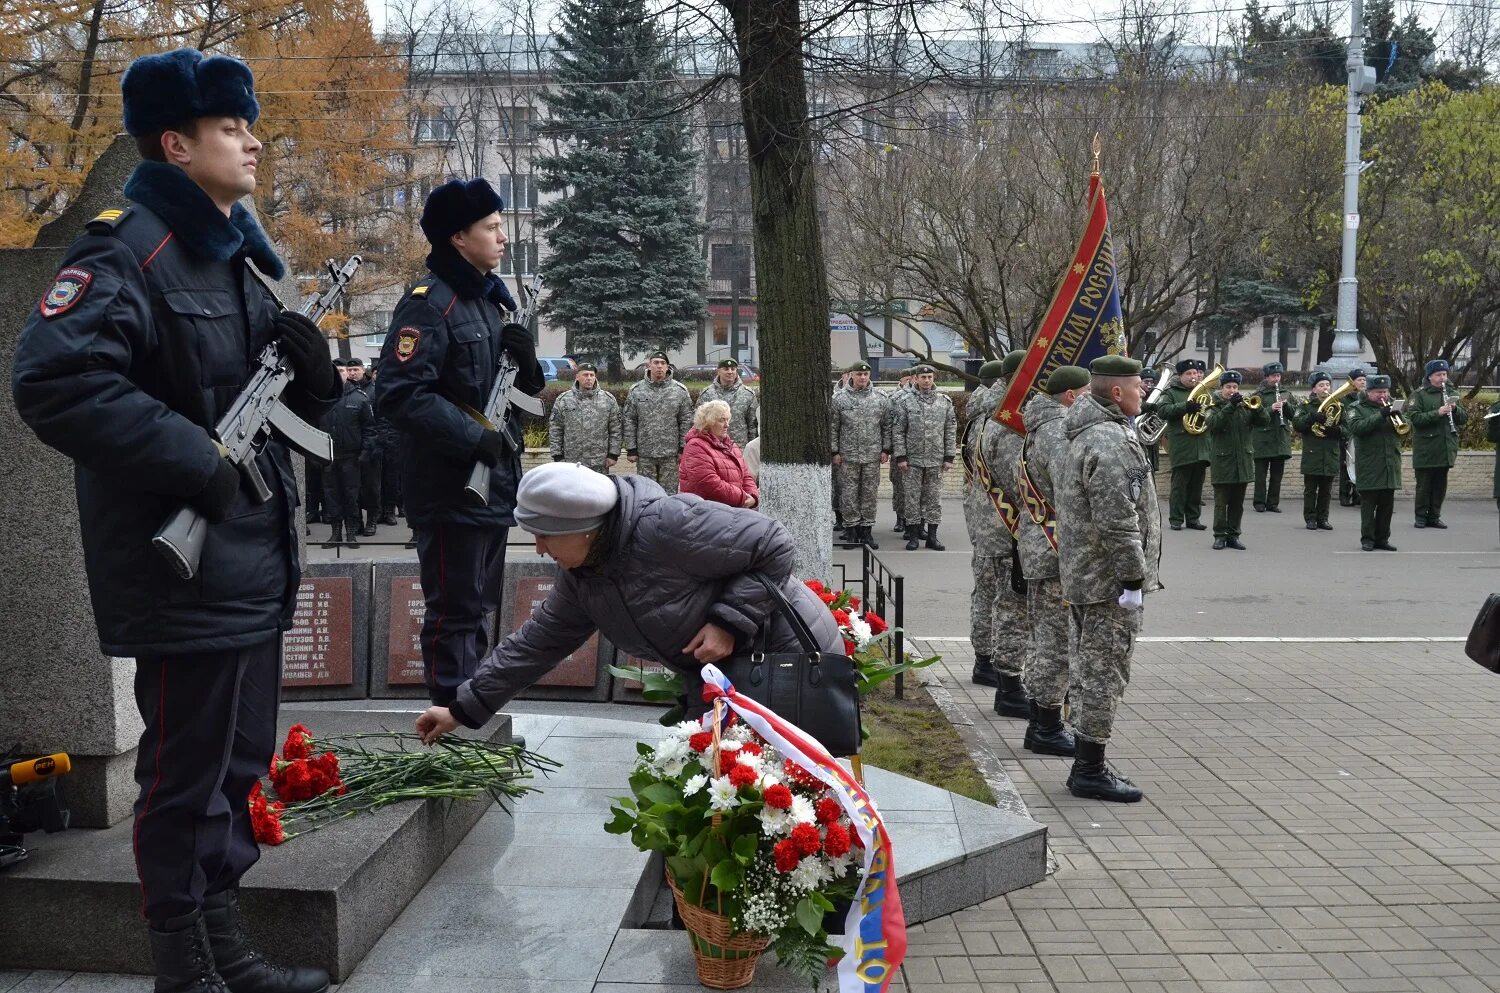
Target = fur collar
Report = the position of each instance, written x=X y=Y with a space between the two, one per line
x=197 y=221
x=468 y=282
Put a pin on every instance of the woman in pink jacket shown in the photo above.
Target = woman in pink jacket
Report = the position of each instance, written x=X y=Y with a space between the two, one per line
x=712 y=466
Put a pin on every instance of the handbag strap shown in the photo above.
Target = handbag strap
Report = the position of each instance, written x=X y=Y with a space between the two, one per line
x=778 y=597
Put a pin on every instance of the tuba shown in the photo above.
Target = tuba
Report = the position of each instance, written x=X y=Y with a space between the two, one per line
x=1196 y=422
x=1149 y=427
x=1332 y=407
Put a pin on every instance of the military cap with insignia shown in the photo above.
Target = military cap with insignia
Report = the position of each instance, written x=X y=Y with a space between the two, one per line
x=1067 y=377
x=1435 y=366
x=1187 y=365
x=1319 y=377
x=658 y=355
x=1272 y=369
x=859 y=367
x=1149 y=375
x=586 y=367
x=1232 y=376
x=1012 y=361
x=1115 y=365
x=1357 y=373
x=921 y=370
x=1378 y=383
x=728 y=364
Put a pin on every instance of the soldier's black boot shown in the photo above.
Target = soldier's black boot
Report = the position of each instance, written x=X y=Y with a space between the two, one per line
x=985 y=673
x=900 y=525
x=387 y=517
x=336 y=537
x=183 y=961
x=913 y=537
x=850 y=535
x=1010 y=697
x=1093 y=779
x=868 y=537
x=352 y=539
x=368 y=531
x=243 y=968
x=932 y=541
x=1046 y=734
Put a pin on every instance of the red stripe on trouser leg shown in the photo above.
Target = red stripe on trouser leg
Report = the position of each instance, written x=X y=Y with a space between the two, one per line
x=161 y=736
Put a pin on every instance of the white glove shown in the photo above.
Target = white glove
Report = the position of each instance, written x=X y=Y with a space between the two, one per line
x=1130 y=598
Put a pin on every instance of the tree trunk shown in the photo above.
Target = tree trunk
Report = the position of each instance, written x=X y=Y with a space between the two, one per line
x=795 y=483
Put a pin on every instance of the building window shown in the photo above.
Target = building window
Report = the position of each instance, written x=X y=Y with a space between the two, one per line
x=721 y=331
x=1268 y=332
x=518 y=192
x=378 y=322
x=520 y=258
x=1200 y=338
x=517 y=125
x=437 y=126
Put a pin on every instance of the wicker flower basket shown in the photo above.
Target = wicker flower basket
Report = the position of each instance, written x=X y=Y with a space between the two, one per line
x=726 y=960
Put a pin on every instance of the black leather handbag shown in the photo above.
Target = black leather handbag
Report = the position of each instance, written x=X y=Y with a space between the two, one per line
x=816 y=690
x=1483 y=645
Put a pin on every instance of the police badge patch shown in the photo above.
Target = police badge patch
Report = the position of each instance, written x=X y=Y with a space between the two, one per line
x=66 y=291
x=406 y=342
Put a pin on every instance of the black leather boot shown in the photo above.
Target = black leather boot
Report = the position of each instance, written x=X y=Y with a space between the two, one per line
x=850 y=535
x=1010 y=697
x=913 y=537
x=387 y=517
x=351 y=540
x=932 y=541
x=336 y=537
x=183 y=961
x=900 y=525
x=1046 y=734
x=368 y=531
x=1093 y=779
x=243 y=968
x=869 y=536
x=984 y=672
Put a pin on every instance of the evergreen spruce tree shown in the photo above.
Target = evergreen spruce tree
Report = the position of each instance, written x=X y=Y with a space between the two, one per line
x=626 y=271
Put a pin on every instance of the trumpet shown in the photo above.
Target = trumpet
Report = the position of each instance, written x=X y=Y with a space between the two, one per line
x=1149 y=427
x=1251 y=401
x=1332 y=408
x=1397 y=421
x=1196 y=422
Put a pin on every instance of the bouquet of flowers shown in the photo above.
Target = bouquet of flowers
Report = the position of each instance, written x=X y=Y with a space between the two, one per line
x=748 y=835
x=322 y=780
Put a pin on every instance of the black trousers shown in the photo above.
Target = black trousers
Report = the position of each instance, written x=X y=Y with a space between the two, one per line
x=1375 y=507
x=1229 y=509
x=313 y=488
x=210 y=734
x=390 y=482
x=1268 y=474
x=370 y=472
x=1432 y=488
x=1186 y=505
x=341 y=491
x=1317 y=491
x=461 y=568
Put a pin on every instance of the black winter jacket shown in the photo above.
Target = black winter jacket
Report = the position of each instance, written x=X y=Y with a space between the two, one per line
x=351 y=424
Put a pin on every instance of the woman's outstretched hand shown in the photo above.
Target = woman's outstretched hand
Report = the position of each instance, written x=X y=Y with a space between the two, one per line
x=434 y=723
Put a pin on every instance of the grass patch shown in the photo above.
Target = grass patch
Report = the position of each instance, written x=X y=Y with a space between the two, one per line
x=912 y=737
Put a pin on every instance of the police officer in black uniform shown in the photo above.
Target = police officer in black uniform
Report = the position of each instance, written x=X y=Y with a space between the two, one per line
x=145 y=338
x=389 y=441
x=351 y=425
x=437 y=367
x=369 y=459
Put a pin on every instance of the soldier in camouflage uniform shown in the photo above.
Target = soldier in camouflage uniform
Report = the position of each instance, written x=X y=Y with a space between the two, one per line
x=744 y=405
x=860 y=430
x=981 y=521
x=925 y=445
x=585 y=424
x=898 y=478
x=1109 y=548
x=1001 y=574
x=1042 y=452
x=658 y=416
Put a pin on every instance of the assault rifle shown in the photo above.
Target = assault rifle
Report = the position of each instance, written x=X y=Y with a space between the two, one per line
x=246 y=427
x=497 y=414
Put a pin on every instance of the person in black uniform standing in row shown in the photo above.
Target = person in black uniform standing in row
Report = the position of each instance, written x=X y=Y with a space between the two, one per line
x=389 y=441
x=143 y=341
x=351 y=425
x=437 y=367
x=369 y=459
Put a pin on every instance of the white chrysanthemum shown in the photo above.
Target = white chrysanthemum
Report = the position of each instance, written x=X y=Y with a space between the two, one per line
x=672 y=768
x=839 y=865
x=722 y=794
x=751 y=762
x=694 y=784
x=810 y=873
x=672 y=748
x=860 y=628
x=802 y=810
x=685 y=729
x=774 y=822
x=729 y=745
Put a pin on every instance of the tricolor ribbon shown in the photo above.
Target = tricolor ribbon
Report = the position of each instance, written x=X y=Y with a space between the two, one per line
x=874 y=938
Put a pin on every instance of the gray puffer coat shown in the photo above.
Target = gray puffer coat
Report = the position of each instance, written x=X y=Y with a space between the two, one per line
x=674 y=564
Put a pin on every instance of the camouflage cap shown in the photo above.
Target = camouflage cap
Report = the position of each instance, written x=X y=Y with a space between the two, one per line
x=1067 y=377
x=1115 y=365
x=1012 y=361
x=1378 y=383
x=729 y=364
x=993 y=369
x=859 y=367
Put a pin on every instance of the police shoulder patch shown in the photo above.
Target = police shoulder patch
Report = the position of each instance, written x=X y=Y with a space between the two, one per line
x=406 y=342
x=66 y=291
x=420 y=291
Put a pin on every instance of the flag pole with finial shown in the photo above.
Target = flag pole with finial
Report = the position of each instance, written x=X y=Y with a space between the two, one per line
x=1098 y=147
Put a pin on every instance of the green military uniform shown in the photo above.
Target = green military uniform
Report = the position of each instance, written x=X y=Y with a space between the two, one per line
x=1348 y=490
x=1272 y=442
x=1189 y=453
x=1320 y=461
x=1377 y=466
x=1434 y=444
x=1231 y=456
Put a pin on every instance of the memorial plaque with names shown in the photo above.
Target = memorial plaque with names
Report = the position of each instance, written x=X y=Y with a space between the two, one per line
x=405 y=645
x=319 y=649
x=579 y=669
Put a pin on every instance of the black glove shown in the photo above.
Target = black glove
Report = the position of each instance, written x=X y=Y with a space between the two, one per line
x=491 y=446
x=1237 y=399
x=1390 y=410
x=1334 y=432
x=306 y=350
x=516 y=340
x=1320 y=418
x=215 y=499
x=1192 y=406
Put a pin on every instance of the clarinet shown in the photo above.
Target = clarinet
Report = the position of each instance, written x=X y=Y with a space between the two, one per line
x=1452 y=424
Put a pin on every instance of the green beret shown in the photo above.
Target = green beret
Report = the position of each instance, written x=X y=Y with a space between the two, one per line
x=1067 y=377
x=1011 y=362
x=1115 y=365
x=658 y=355
x=919 y=370
x=586 y=367
x=1378 y=383
x=729 y=364
x=1232 y=376
x=1272 y=369
x=993 y=369
x=859 y=367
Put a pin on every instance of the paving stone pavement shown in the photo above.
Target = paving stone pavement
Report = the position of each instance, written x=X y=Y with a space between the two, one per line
x=1319 y=818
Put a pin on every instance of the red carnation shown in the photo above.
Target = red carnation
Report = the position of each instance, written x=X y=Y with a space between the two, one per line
x=827 y=810
x=827 y=597
x=325 y=774
x=779 y=797
x=750 y=748
x=741 y=776
x=296 y=782
x=786 y=855
x=701 y=741
x=854 y=603
x=728 y=762
x=815 y=585
x=836 y=842
x=850 y=647
x=265 y=818
x=841 y=617
x=298 y=743
x=876 y=622
x=806 y=838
